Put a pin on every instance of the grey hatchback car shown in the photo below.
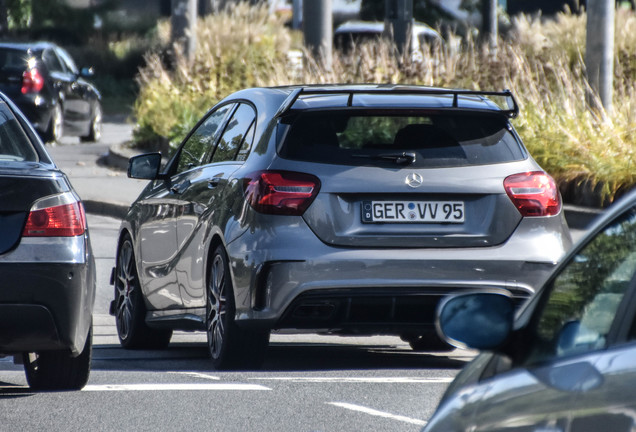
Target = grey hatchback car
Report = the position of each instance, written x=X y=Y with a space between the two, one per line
x=336 y=209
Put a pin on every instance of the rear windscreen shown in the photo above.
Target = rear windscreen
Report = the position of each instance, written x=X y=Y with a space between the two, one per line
x=13 y=59
x=436 y=140
x=15 y=145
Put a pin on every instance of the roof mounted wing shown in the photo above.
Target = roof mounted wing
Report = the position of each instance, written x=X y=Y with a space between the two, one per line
x=512 y=111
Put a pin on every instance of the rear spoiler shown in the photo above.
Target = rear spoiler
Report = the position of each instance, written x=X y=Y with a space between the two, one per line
x=512 y=111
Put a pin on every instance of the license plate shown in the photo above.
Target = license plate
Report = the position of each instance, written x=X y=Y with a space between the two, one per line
x=413 y=211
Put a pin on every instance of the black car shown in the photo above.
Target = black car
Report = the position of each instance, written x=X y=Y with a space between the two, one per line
x=47 y=269
x=43 y=81
x=568 y=360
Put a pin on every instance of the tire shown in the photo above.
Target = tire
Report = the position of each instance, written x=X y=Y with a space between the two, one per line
x=429 y=341
x=58 y=370
x=230 y=346
x=130 y=310
x=95 y=131
x=55 y=129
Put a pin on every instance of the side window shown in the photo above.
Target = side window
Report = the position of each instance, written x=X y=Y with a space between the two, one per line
x=247 y=144
x=67 y=60
x=52 y=61
x=199 y=144
x=235 y=134
x=585 y=297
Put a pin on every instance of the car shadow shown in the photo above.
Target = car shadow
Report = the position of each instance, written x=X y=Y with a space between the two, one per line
x=281 y=357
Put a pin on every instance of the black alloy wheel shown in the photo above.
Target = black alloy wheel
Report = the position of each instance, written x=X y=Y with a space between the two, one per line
x=130 y=309
x=230 y=346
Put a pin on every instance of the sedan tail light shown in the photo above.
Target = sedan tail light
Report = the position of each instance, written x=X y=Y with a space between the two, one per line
x=281 y=192
x=66 y=220
x=534 y=193
x=32 y=81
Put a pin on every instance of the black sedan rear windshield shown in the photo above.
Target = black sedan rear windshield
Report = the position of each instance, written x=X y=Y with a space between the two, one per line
x=15 y=145
x=431 y=140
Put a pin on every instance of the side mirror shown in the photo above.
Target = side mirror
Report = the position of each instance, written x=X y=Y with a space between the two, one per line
x=145 y=166
x=481 y=321
x=87 y=72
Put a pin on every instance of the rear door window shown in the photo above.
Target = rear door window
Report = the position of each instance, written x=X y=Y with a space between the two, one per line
x=237 y=137
x=432 y=140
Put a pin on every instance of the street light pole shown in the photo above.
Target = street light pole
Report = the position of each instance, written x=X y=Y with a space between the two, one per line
x=318 y=29
x=599 y=51
x=183 y=25
x=399 y=22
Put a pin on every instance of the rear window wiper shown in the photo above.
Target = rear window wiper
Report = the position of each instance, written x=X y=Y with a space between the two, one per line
x=404 y=158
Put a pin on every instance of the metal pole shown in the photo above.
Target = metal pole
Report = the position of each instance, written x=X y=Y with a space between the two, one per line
x=399 y=22
x=599 y=51
x=490 y=27
x=318 y=30
x=297 y=14
x=183 y=23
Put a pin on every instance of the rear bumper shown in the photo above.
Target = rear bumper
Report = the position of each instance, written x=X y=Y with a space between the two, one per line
x=378 y=291
x=286 y=278
x=47 y=294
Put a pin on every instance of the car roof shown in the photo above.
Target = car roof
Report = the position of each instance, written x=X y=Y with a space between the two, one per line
x=355 y=26
x=286 y=99
x=35 y=46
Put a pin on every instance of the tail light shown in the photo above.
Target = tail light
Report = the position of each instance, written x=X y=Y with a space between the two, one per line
x=66 y=220
x=534 y=193
x=32 y=81
x=281 y=192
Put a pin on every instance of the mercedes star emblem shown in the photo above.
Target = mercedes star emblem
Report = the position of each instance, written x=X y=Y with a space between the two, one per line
x=414 y=180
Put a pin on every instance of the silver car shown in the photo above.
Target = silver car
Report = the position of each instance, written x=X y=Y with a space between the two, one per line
x=335 y=209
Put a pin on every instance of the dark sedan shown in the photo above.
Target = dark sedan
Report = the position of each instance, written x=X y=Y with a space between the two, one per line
x=43 y=81
x=47 y=269
x=568 y=361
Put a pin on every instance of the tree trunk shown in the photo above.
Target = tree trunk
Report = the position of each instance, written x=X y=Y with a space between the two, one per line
x=4 y=18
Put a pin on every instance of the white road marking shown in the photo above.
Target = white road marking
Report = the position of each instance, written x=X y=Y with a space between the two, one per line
x=370 y=411
x=197 y=375
x=171 y=387
x=371 y=380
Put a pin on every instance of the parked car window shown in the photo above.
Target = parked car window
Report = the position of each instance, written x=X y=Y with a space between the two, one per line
x=12 y=59
x=438 y=140
x=199 y=144
x=14 y=144
x=52 y=61
x=236 y=131
x=586 y=295
x=68 y=60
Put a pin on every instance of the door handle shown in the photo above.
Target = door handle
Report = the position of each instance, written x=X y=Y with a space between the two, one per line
x=214 y=182
x=180 y=188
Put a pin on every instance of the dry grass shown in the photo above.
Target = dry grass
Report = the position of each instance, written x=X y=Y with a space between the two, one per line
x=541 y=63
